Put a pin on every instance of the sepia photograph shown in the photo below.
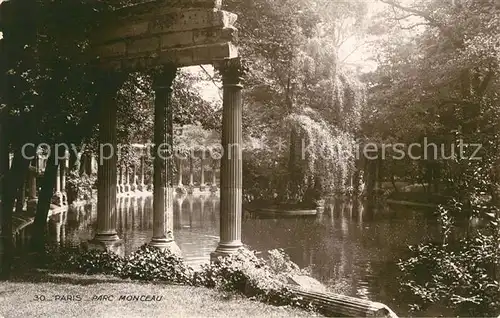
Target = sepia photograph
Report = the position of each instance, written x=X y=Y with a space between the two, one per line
x=249 y=158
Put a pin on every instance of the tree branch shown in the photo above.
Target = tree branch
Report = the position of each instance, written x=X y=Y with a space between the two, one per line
x=431 y=21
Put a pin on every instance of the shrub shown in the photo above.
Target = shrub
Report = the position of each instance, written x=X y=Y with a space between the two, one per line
x=79 y=187
x=242 y=272
x=152 y=264
x=245 y=273
x=148 y=263
x=461 y=274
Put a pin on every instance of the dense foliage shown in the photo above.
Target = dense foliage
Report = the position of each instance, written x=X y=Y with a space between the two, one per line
x=243 y=272
x=298 y=94
x=460 y=273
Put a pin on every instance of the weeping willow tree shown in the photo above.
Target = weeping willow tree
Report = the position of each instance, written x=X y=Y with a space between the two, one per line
x=295 y=79
x=327 y=121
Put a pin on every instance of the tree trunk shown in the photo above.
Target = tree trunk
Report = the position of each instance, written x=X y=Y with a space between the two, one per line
x=43 y=205
x=11 y=185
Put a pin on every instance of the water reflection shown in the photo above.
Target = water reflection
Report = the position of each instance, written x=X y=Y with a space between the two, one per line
x=351 y=248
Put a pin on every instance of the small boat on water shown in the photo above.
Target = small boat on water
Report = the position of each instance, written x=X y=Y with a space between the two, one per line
x=279 y=211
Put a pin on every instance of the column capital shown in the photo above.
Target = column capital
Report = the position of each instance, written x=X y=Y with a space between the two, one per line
x=163 y=77
x=232 y=71
x=110 y=80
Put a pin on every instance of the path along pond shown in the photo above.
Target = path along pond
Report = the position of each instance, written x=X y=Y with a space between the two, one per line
x=350 y=248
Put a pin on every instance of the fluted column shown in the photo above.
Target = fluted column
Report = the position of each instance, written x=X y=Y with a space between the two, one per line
x=133 y=186
x=32 y=187
x=57 y=197
x=214 y=173
x=127 y=178
x=231 y=161
x=191 y=174
x=190 y=189
x=64 y=167
x=117 y=181
x=142 y=186
x=122 y=179
x=106 y=236
x=163 y=197
x=202 y=173
x=180 y=172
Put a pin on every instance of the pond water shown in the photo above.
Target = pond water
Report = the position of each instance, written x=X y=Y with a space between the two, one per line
x=349 y=248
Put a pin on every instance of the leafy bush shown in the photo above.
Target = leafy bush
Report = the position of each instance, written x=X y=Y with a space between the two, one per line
x=147 y=263
x=88 y=262
x=245 y=273
x=79 y=187
x=152 y=264
x=461 y=274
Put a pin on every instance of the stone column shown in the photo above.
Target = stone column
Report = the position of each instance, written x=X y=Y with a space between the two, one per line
x=32 y=188
x=135 y=184
x=64 y=168
x=231 y=161
x=57 y=197
x=118 y=177
x=180 y=172
x=106 y=235
x=142 y=186
x=190 y=189
x=214 y=173
x=191 y=173
x=163 y=196
x=213 y=187
x=202 y=173
x=122 y=179
x=127 y=179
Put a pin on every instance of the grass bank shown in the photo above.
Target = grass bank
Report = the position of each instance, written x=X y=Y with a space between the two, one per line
x=21 y=296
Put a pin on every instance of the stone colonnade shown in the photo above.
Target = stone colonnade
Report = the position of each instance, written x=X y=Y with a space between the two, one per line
x=230 y=163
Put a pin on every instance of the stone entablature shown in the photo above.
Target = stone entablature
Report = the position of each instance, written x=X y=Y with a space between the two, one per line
x=156 y=33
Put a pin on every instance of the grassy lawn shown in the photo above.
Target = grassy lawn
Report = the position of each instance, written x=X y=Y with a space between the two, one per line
x=18 y=298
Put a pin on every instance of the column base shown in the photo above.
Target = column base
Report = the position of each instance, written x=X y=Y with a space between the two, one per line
x=224 y=250
x=166 y=245
x=202 y=188
x=190 y=189
x=106 y=242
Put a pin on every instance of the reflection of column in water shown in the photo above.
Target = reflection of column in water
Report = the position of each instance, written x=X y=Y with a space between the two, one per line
x=128 y=213
x=344 y=220
x=360 y=210
x=150 y=215
x=119 y=208
x=214 y=208
x=140 y=212
x=202 y=207
x=57 y=225
x=348 y=208
x=177 y=212
x=319 y=217
x=133 y=210
x=125 y=213
x=63 y=233
x=190 y=213
x=183 y=212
